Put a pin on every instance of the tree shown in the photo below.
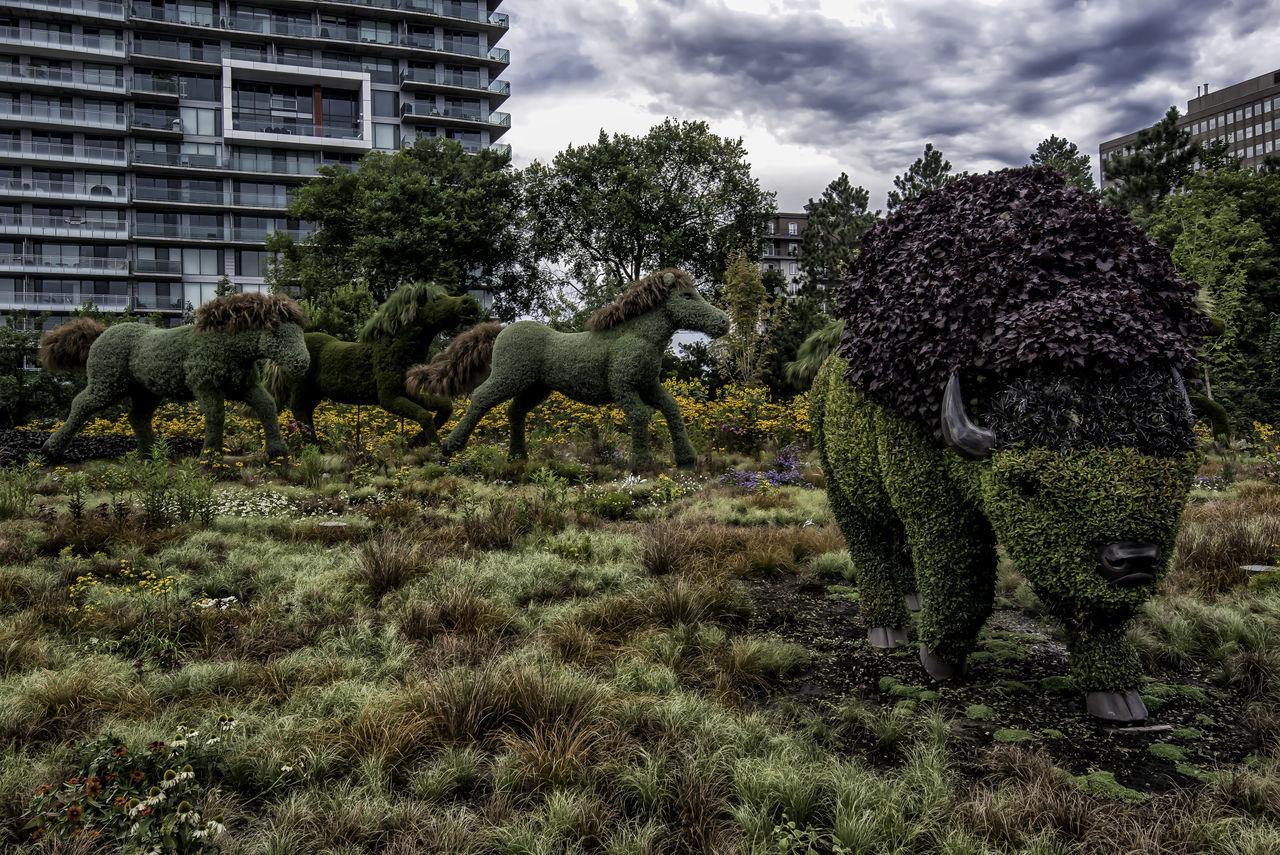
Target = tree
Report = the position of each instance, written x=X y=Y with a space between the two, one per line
x=793 y=320
x=748 y=305
x=1161 y=158
x=837 y=220
x=928 y=173
x=343 y=311
x=604 y=214
x=429 y=211
x=1064 y=156
x=1223 y=230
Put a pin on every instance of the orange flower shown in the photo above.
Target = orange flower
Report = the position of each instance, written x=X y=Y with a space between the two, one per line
x=120 y=802
x=144 y=811
x=74 y=812
x=157 y=746
x=136 y=776
x=92 y=788
x=38 y=834
x=44 y=789
x=119 y=751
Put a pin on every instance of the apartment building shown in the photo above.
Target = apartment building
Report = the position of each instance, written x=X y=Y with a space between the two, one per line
x=782 y=246
x=147 y=147
x=1246 y=116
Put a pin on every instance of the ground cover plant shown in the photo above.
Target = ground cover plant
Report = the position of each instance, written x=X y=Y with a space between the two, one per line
x=369 y=651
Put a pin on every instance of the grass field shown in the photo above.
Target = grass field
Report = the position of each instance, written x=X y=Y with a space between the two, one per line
x=377 y=653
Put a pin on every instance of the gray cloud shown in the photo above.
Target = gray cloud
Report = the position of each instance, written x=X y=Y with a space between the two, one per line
x=979 y=81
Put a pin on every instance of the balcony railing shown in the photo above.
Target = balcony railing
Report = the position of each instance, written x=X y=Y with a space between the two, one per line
x=171 y=15
x=65 y=116
x=60 y=77
x=274 y=27
x=156 y=120
x=45 y=302
x=174 y=158
x=87 y=8
x=101 y=45
x=297 y=127
x=458 y=81
x=177 y=50
x=62 y=151
x=157 y=265
x=244 y=163
x=180 y=195
x=172 y=230
x=77 y=227
x=262 y=200
x=61 y=264
x=156 y=85
x=62 y=190
x=156 y=303
x=433 y=111
x=260 y=235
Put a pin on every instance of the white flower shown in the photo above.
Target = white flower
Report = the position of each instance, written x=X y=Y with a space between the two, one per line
x=286 y=768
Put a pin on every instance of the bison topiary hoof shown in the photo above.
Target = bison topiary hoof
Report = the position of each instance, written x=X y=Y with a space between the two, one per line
x=687 y=466
x=48 y=455
x=1116 y=706
x=886 y=637
x=420 y=439
x=939 y=669
x=913 y=601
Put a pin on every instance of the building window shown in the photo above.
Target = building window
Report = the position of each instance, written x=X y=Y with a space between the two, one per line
x=206 y=262
x=384 y=104
x=251 y=262
x=386 y=136
x=791 y=228
x=199 y=120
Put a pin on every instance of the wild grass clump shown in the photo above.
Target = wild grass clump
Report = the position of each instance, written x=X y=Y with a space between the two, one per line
x=388 y=561
x=1221 y=535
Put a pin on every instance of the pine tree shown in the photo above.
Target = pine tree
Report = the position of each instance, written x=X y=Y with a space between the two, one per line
x=1065 y=156
x=927 y=174
x=1163 y=156
x=837 y=220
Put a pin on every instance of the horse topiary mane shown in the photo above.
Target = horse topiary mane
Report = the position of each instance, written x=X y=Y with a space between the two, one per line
x=66 y=348
x=640 y=297
x=236 y=313
x=1003 y=276
x=400 y=309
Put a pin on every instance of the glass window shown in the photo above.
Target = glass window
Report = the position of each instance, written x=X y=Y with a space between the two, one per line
x=251 y=262
x=385 y=103
x=200 y=120
x=386 y=136
x=380 y=70
x=206 y=262
x=201 y=87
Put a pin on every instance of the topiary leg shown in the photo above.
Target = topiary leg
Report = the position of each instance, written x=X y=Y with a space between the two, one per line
x=88 y=401
x=520 y=407
x=212 y=406
x=1104 y=663
x=638 y=416
x=659 y=398
x=265 y=406
x=487 y=395
x=141 y=412
x=303 y=406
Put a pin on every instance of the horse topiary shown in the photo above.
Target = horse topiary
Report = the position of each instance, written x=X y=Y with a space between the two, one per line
x=210 y=361
x=371 y=370
x=618 y=360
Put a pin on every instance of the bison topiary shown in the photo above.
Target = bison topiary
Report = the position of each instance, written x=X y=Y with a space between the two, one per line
x=1067 y=328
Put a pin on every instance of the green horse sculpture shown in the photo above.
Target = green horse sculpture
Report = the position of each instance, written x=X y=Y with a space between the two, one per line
x=618 y=360
x=371 y=370
x=210 y=361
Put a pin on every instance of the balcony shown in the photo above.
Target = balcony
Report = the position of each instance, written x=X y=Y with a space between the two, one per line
x=470 y=82
x=63 y=43
x=106 y=9
x=70 y=227
x=156 y=303
x=260 y=235
x=156 y=86
x=158 y=266
x=63 y=116
x=53 y=265
x=297 y=127
x=155 y=121
x=261 y=200
x=178 y=51
x=275 y=27
x=42 y=302
x=41 y=76
x=180 y=195
x=243 y=163
x=98 y=193
x=169 y=15
x=178 y=231
x=431 y=111
x=63 y=152
x=178 y=159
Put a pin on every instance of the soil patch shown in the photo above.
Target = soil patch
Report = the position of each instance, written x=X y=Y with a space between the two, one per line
x=1016 y=691
x=16 y=445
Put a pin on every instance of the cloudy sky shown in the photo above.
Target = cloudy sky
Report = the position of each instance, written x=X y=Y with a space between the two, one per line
x=820 y=87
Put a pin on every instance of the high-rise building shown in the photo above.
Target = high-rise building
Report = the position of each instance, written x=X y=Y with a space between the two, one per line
x=782 y=246
x=147 y=147
x=1246 y=116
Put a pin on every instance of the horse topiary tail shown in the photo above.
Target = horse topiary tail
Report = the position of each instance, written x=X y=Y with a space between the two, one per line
x=813 y=353
x=66 y=348
x=459 y=368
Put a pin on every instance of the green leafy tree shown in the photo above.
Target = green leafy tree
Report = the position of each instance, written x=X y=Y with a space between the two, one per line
x=1066 y=157
x=793 y=320
x=604 y=214
x=928 y=173
x=747 y=302
x=343 y=311
x=429 y=212
x=837 y=220
x=1223 y=230
x=1163 y=156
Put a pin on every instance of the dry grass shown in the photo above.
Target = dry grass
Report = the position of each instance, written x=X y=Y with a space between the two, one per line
x=458 y=609
x=388 y=561
x=1220 y=535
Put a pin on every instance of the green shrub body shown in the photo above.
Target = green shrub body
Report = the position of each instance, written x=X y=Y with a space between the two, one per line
x=891 y=486
x=208 y=362
x=372 y=370
x=618 y=360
